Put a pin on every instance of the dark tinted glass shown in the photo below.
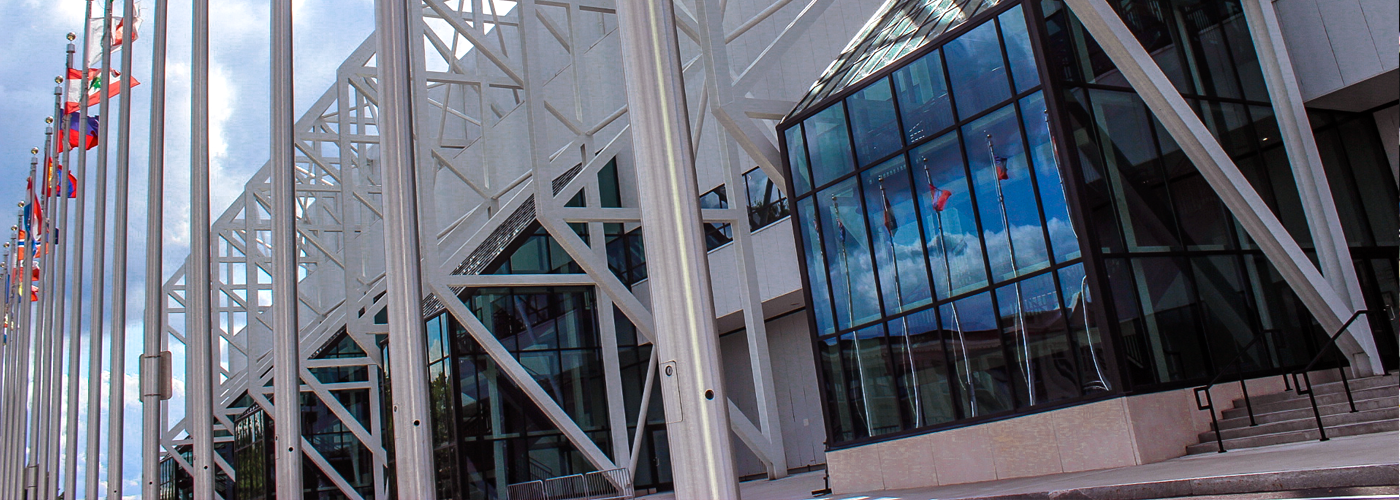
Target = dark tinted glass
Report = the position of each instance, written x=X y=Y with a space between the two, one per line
x=924 y=103
x=829 y=144
x=976 y=70
x=873 y=122
x=983 y=379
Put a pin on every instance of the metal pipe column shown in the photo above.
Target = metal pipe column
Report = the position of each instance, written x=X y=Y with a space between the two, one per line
x=70 y=465
x=116 y=412
x=155 y=274
x=407 y=350
x=286 y=362
x=697 y=414
x=199 y=371
x=43 y=334
x=19 y=433
x=60 y=293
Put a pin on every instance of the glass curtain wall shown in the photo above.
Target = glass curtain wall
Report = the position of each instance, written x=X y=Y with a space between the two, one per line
x=945 y=274
x=1189 y=287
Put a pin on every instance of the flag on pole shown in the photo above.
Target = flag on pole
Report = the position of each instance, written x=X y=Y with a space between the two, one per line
x=68 y=135
x=119 y=32
x=92 y=94
x=1000 y=162
x=54 y=181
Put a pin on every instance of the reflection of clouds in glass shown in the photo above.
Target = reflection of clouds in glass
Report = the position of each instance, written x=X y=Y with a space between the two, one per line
x=1029 y=243
x=1062 y=238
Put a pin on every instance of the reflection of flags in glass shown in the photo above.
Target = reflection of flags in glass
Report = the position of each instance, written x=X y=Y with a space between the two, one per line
x=940 y=197
x=840 y=228
x=1001 y=168
x=890 y=223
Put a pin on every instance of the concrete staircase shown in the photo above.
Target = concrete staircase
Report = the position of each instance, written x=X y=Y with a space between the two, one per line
x=1287 y=417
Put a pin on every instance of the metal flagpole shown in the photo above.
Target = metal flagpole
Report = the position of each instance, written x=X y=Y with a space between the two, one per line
x=199 y=395
x=52 y=374
x=697 y=411
x=116 y=413
x=25 y=439
x=5 y=364
x=43 y=347
x=407 y=350
x=970 y=388
x=152 y=377
x=285 y=327
x=60 y=280
x=997 y=169
x=99 y=244
x=851 y=313
x=70 y=466
x=899 y=298
x=7 y=408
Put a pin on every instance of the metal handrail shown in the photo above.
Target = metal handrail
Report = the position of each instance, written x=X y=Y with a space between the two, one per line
x=1210 y=402
x=1331 y=342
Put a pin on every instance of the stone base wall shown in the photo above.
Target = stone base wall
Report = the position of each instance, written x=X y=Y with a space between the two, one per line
x=1118 y=432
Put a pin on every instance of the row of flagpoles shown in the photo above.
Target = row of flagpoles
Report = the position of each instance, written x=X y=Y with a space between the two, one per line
x=43 y=322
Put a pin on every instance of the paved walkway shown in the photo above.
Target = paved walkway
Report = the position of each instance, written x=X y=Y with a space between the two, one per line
x=1368 y=460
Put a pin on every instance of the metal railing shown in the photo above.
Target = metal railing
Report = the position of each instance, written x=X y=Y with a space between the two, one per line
x=1238 y=364
x=1341 y=369
x=611 y=484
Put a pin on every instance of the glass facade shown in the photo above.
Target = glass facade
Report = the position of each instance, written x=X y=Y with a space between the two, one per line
x=487 y=432
x=989 y=228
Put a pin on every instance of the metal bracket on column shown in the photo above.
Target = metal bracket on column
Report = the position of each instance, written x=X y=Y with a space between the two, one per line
x=1218 y=169
x=156 y=375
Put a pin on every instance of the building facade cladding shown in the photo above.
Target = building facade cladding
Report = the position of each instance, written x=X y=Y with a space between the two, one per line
x=941 y=217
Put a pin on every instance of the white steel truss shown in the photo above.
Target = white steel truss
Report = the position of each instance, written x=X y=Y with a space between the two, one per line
x=496 y=78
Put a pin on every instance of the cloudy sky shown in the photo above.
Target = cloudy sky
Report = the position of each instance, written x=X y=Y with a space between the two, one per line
x=33 y=54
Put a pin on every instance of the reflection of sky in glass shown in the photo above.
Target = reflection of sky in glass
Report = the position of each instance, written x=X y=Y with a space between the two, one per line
x=851 y=273
x=816 y=265
x=1048 y=176
x=911 y=288
x=1016 y=191
x=797 y=160
x=951 y=234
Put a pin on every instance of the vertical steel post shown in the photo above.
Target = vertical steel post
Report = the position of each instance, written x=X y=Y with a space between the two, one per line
x=116 y=412
x=60 y=294
x=25 y=439
x=99 y=275
x=697 y=415
x=407 y=351
x=199 y=371
x=155 y=274
x=285 y=327
x=70 y=465
x=43 y=349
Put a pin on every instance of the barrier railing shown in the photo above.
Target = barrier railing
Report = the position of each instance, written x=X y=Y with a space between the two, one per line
x=611 y=484
x=1341 y=370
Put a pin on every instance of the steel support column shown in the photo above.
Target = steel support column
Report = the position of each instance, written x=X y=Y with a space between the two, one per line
x=153 y=318
x=697 y=414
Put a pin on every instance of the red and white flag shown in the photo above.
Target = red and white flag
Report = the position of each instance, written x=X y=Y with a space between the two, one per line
x=119 y=34
x=77 y=96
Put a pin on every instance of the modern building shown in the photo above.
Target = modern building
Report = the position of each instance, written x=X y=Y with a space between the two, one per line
x=949 y=240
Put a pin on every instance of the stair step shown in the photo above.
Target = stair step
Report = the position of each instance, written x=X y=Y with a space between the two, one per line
x=1309 y=421
x=1327 y=388
x=1302 y=401
x=1310 y=434
x=1307 y=413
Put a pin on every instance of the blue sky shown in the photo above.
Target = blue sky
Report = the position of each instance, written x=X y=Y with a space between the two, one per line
x=325 y=33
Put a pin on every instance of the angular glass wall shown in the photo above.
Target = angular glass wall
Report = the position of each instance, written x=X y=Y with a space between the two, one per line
x=945 y=274
x=1189 y=287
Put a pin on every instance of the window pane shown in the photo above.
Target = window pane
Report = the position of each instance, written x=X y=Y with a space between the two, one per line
x=766 y=203
x=898 y=250
x=848 y=252
x=876 y=379
x=1063 y=239
x=843 y=397
x=1225 y=313
x=984 y=384
x=924 y=103
x=1211 y=53
x=922 y=363
x=1018 y=49
x=873 y=122
x=797 y=160
x=1034 y=326
x=829 y=144
x=1095 y=369
x=1171 y=318
x=1005 y=195
x=976 y=70
x=1134 y=175
x=816 y=265
x=950 y=225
